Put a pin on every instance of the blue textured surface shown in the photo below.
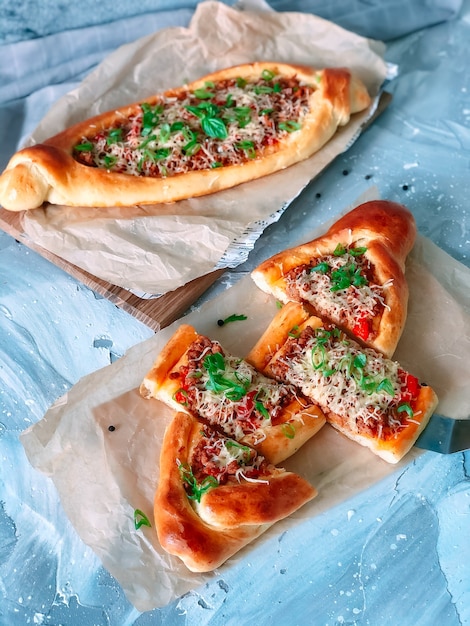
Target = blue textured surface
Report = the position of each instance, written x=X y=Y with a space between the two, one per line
x=380 y=19
x=398 y=553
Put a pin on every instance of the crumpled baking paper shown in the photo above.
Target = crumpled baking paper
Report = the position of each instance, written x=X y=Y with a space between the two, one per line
x=103 y=476
x=155 y=249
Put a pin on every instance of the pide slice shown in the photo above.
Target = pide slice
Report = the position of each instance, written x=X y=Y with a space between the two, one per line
x=366 y=396
x=216 y=495
x=194 y=374
x=353 y=275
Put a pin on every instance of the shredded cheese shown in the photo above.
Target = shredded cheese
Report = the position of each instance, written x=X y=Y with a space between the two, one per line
x=358 y=384
x=249 y=116
x=237 y=417
x=343 y=306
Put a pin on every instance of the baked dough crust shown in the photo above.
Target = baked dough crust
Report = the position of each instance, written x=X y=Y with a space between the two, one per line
x=271 y=349
x=388 y=231
x=228 y=517
x=299 y=420
x=48 y=172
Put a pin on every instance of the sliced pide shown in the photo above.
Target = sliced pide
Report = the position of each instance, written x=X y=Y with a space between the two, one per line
x=216 y=495
x=229 y=127
x=369 y=398
x=353 y=276
x=194 y=374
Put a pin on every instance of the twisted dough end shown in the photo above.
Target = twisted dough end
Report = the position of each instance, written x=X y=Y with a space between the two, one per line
x=23 y=187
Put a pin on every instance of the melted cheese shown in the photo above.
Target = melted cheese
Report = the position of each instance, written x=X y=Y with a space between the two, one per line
x=235 y=416
x=163 y=150
x=330 y=378
x=224 y=452
x=343 y=306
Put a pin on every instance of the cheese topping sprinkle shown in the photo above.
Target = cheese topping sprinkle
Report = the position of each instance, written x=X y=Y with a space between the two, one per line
x=215 y=459
x=226 y=123
x=364 y=388
x=340 y=286
x=228 y=392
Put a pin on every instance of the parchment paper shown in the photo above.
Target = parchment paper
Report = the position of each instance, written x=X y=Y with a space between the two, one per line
x=102 y=476
x=158 y=248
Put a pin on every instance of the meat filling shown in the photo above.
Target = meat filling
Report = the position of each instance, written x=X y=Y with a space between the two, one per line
x=355 y=387
x=228 y=392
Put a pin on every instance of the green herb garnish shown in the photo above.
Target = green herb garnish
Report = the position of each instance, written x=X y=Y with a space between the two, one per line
x=321 y=268
x=191 y=147
x=246 y=451
x=288 y=430
x=233 y=390
x=386 y=386
x=203 y=94
x=114 y=136
x=140 y=519
x=176 y=126
x=196 y=490
x=150 y=117
x=109 y=161
x=348 y=275
x=405 y=407
x=259 y=406
x=84 y=147
x=214 y=127
x=267 y=75
x=248 y=147
x=232 y=318
x=240 y=115
x=290 y=126
x=259 y=89
x=357 y=251
x=339 y=250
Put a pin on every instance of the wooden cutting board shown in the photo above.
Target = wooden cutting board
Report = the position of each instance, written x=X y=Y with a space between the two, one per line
x=154 y=312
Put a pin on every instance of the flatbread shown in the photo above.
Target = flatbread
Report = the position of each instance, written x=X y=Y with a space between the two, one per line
x=366 y=396
x=206 y=511
x=227 y=128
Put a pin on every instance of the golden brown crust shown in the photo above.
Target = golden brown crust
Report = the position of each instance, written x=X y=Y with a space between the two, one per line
x=157 y=382
x=395 y=448
x=234 y=514
x=297 y=423
x=388 y=231
x=48 y=172
x=271 y=348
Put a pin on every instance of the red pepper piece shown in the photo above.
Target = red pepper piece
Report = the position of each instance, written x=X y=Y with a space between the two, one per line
x=181 y=396
x=362 y=329
x=412 y=385
x=245 y=409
